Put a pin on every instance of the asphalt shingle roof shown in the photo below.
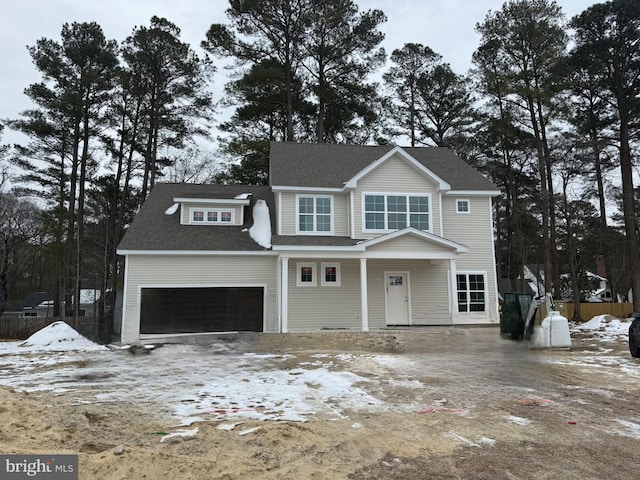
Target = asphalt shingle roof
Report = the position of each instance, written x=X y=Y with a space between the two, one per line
x=330 y=165
x=152 y=229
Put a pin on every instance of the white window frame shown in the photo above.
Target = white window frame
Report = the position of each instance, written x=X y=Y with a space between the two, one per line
x=459 y=201
x=323 y=276
x=315 y=215
x=314 y=274
x=386 y=211
x=468 y=291
x=206 y=212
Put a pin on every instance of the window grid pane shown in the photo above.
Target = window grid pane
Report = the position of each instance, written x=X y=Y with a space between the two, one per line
x=306 y=274
x=306 y=223
x=374 y=221
x=397 y=221
x=330 y=274
x=225 y=216
x=374 y=203
x=419 y=221
x=212 y=216
x=198 y=216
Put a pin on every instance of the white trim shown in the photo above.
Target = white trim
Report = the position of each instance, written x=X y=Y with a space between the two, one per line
x=453 y=289
x=364 y=295
x=441 y=215
x=124 y=299
x=315 y=232
x=352 y=213
x=442 y=185
x=219 y=201
x=196 y=252
x=386 y=211
x=386 y=295
x=301 y=248
x=468 y=210
x=284 y=295
x=278 y=197
x=323 y=276
x=314 y=272
x=474 y=193
x=283 y=188
x=493 y=257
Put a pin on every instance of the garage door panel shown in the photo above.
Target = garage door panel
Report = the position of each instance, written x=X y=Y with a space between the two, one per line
x=197 y=310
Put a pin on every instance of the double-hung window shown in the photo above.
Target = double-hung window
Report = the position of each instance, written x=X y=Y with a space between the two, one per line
x=471 y=292
x=315 y=214
x=396 y=211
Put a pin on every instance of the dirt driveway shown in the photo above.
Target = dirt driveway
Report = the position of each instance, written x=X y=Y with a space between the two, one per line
x=464 y=404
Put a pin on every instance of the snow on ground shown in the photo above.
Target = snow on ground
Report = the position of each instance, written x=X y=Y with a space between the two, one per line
x=194 y=383
x=606 y=327
x=57 y=336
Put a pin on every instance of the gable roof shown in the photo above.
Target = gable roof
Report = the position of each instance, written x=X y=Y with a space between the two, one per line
x=153 y=230
x=331 y=165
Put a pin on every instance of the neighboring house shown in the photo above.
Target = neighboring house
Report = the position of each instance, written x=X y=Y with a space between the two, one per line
x=359 y=237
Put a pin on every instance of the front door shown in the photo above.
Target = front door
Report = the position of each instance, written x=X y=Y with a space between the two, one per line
x=397 y=298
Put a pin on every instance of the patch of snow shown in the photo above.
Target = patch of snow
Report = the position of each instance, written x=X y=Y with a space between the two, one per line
x=59 y=336
x=461 y=439
x=228 y=426
x=632 y=429
x=247 y=431
x=172 y=209
x=518 y=420
x=487 y=441
x=260 y=231
x=242 y=196
x=356 y=425
x=182 y=434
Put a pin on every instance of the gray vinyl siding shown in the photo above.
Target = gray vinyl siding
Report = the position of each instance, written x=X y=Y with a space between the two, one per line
x=396 y=175
x=186 y=208
x=197 y=270
x=322 y=307
x=289 y=219
x=473 y=229
x=428 y=282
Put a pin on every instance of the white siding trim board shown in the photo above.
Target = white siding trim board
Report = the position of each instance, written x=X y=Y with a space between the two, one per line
x=198 y=252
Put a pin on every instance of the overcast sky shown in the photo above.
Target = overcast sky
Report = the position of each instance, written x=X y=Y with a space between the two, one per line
x=447 y=26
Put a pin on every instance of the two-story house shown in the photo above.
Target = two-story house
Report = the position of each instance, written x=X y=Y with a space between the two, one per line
x=345 y=237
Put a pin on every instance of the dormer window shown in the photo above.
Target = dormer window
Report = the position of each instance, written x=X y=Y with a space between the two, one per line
x=211 y=216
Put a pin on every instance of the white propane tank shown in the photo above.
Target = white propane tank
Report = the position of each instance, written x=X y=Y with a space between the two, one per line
x=553 y=332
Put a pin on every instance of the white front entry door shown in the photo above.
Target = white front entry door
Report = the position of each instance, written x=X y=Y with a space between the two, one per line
x=397 y=298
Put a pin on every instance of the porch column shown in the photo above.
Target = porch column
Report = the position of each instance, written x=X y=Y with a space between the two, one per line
x=364 y=306
x=284 y=295
x=454 y=289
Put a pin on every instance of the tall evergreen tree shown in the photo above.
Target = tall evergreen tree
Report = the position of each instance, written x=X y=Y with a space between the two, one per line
x=341 y=48
x=77 y=77
x=523 y=48
x=177 y=103
x=408 y=64
x=607 y=40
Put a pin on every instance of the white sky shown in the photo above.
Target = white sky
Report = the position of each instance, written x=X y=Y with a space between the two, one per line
x=447 y=26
